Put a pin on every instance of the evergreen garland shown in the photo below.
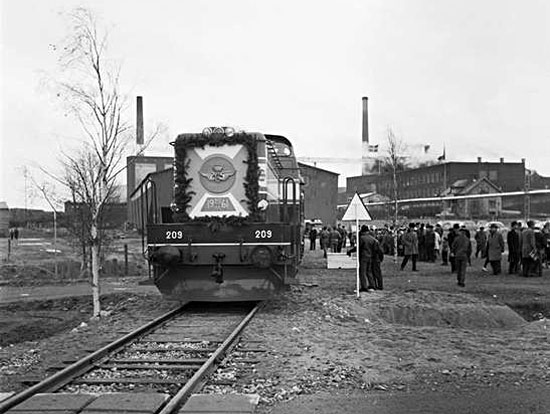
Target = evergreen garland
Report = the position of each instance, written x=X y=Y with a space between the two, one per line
x=182 y=193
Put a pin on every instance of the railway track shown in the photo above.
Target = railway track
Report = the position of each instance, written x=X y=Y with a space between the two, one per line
x=171 y=355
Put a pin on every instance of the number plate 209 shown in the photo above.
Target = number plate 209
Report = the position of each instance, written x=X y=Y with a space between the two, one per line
x=263 y=234
x=173 y=234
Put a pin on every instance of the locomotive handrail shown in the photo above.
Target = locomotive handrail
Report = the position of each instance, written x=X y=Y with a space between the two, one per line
x=286 y=180
x=144 y=189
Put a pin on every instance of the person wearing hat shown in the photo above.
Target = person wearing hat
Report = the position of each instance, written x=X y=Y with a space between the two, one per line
x=368 y=248
x=481 y=242
x=495 y=248
x=453 y=233
x=410 y=247
x=514 y=249
x=528 y=249
x=461 y=250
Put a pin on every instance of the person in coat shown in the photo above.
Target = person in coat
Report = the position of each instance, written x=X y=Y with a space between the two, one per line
x=528 y=249
x=334 y=240
x=312 y=238
x=495 y=248
x=378 y=257
x=410 y=247
x=324 y=241
x=514 y=252
x=368 y=248
x=481 y=242
x=453 y=233
x=461 y=250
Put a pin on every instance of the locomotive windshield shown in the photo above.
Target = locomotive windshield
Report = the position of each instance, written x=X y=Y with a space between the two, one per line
x=282 y=150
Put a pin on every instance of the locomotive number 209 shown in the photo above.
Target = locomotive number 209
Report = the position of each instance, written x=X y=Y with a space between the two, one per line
x=174 y=235
x=263 y=234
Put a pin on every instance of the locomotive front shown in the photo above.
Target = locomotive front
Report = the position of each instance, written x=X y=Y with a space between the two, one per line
x=235 y=228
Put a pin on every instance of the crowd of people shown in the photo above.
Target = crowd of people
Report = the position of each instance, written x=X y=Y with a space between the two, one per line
x=528 y=248
x=330 y=238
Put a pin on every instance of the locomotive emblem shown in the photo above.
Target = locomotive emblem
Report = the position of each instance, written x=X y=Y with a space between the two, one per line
x=217 y=174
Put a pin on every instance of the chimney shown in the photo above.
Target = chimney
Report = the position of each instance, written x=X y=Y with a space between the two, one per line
x=365 y=153
x=502 y=160
x=479 y=160
x=365 y=135
x=139 y=121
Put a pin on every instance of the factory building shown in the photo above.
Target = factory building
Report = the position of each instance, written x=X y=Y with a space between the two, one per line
x=320 y=188
x=434 y=180
x=457 y=178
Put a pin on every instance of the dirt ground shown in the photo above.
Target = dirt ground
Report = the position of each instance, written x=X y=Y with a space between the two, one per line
x=422 y=334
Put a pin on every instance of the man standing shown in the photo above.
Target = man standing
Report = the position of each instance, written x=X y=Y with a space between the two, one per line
x=453 y=233
x=410 y=247
x=312 y=238
x=378 y=257
x=495 y=248
x=367 y=251
x=514 y=252
x=334 y=239
x=481 y=242
x=324 y=241
x=429 y=242
x=528 y=249
x=461 y=250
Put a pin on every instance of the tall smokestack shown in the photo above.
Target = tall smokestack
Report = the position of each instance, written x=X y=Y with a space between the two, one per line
x=365 y=135
x=365 y=150
x=139 y=121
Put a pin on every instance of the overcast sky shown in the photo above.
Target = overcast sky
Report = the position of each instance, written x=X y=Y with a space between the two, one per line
x=473 y=76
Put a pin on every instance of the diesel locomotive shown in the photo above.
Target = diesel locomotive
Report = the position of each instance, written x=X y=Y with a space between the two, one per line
x=234 y=228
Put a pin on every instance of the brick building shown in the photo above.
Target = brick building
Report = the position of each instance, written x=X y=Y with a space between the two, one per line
x=320 y=193
x=436 y=180
x=433 y=180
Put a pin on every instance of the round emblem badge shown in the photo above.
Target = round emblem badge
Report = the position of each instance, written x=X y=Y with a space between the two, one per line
x=217 y=174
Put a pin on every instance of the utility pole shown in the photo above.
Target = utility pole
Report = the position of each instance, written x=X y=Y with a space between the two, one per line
x=26 y=175
x=527 y=198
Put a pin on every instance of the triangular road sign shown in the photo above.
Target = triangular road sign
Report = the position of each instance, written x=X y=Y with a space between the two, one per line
x=356 y=210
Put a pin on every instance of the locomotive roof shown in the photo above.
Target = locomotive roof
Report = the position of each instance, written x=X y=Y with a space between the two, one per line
x=287 y=162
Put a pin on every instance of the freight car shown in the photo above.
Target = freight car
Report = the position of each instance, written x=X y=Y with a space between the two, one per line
x=234 y=230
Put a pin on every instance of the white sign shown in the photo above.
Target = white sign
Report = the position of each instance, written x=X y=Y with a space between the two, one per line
x=356 y=210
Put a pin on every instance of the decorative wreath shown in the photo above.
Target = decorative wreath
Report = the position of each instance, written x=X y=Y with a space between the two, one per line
x=182 y=193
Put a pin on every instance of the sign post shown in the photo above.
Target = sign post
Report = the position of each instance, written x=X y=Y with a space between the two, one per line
x=357 y=210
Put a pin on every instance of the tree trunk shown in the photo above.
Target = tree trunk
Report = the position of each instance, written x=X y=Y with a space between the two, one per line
x=396 y=215
x=95 y=272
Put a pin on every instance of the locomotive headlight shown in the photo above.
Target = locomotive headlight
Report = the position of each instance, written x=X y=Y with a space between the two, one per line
x=261 y=257
x=229 y=131
x=207 y=131
x=263 y=204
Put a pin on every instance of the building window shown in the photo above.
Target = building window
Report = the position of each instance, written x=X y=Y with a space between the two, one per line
x=493 y=175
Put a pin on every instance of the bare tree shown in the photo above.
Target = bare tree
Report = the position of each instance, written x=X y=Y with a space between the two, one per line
x=90 y=87
x=395 y=161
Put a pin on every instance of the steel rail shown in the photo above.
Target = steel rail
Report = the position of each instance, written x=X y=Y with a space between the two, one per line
x=61 y=378
x=184 y=393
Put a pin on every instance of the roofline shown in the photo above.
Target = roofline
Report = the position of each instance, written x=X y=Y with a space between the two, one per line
x=317 y=168
x=439 y=164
